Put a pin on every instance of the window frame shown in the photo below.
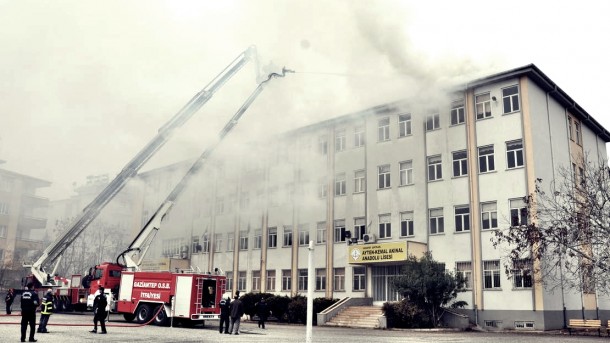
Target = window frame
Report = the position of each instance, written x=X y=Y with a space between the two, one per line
x=340 y=140
x=385 y=226
x=359 y=181
x=436 y=220
x=340 y=184
x=514 y=154
x=491 y=274
x=492 y=214
x=270 y=280
x=433 y=122
x=339 y=230
x=404 y=125
x=458 y=113
x=483 y=102
x=383 y=129
x=358 y=279
x=321 y=233
x=486 y=159
x=405 y=173
x=518 y=210
x=407 y=226
x=460 y=163
x=304 y=235
x=384 y=176
x=462 y=219
x=359 y=137
x=339 y=279
x=435 y=167
x=287 y=236
x=272 y=237
x=465 y=269
x=510 y=102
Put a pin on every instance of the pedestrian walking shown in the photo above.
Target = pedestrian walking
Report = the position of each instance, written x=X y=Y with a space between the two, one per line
x=225 y=311
x=237 y=311
x=46 y=309
x=10 y=297
x=29 y=304
x=100 y=310
x=263 y=312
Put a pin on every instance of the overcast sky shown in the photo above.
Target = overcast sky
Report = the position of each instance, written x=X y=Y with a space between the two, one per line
x=84 y=85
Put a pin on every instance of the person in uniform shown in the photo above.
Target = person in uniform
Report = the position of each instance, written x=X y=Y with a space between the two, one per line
x=29 y=304
x=237 y=311
x=263 y=313
x=46 y=309
x=225 y=310
x=10 y=297
x=100 y=304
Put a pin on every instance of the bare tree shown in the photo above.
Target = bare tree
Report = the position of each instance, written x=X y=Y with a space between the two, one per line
x=566 y=240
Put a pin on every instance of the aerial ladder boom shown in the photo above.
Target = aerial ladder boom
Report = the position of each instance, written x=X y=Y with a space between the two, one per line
x=52 y=254
x=135 y=253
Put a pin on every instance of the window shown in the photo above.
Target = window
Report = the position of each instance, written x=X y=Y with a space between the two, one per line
x=304 y=234
x=302 y=279
x=229 y=276
x=406 y=173
x=243 y=240
x=258 y=234
x=256 y=281
x=340 y=184
x=340 y=140
x=339 y=279
x=287 y=236
x=514 y=154
x=465 y=269
x=406 y=224
x=433 y=122
x=570 y=130
x=577 y=133
x=322 y=187
x=244 y=200
x=518 y=212
x=359 y=279
x=437 y=221
x=460 y=163
x=270 y=280
x=383 y=129
x=320 y=279
x=272 y=237
x=489 y=215
x=220 y=205
x=359 y=136
x=522 y=273
x=3 y=230
x=462 y=218
x=491 y=274
x=486 y=159
x=483 y=106
x=230 y=241
x=241 y=281
x=218 y=242
x=457 y=112
x=286 y=280
x=323 y=145
x=404 y=125
x=3 y=208
x=339 y=230
x=321 y=233
x=435 y=170
x=385 y=226
x=510 y=99
x=384 y=176
x=359 y=181
x=205 y=245
x=359 y=228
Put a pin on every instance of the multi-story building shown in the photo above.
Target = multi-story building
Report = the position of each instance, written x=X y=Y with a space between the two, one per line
x=22 y=221
x=402 y=178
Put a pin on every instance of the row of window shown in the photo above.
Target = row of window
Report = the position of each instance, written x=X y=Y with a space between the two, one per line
x=338 y=284
x=521 y=274
x=510 y=101
x=436 y=225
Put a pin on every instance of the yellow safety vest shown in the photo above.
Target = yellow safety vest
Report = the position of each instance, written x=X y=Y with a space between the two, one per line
x=46 y=306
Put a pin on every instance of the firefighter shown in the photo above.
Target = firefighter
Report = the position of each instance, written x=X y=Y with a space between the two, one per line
x=29 y=304
x=10 y=297
x=100 y=304
x=225 y=310
x=46 y=309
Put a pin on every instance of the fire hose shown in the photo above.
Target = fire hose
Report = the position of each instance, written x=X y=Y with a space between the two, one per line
x=83 y=324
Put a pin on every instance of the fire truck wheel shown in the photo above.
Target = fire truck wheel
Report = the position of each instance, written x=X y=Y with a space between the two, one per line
x=161 y=319
x=144 y=313
x=129 y=317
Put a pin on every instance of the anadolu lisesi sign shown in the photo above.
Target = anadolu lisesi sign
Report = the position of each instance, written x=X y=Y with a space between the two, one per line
x=378 y=252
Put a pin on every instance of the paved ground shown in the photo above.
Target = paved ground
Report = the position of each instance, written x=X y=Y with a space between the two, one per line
x=72 y=328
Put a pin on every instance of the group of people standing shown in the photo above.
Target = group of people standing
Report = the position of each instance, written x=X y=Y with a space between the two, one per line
x=234 y=310
x=30 y=302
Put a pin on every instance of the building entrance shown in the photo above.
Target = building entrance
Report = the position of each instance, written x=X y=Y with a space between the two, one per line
x=382 y=289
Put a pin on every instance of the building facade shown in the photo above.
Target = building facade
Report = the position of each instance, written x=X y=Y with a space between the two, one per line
x=369 y=188
x=22 y=221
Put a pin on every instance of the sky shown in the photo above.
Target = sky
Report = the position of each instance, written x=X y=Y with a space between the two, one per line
x=84 y=85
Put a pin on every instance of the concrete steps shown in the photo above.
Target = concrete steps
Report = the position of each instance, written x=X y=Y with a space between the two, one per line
x=358 y=317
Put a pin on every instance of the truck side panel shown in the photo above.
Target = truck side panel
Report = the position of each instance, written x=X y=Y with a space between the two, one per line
x=184 y=290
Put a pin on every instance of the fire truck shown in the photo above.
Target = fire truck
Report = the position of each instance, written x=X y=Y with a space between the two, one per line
x=186 y=295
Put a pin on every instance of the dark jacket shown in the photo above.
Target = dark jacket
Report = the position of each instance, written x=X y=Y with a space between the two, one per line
x=225 y=307
x=100 y=302
x=263 y=310
x=237 y=308
x=9 y=298
x=29 y=301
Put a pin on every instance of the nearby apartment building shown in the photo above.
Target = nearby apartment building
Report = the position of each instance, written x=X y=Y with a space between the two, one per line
x=22 y=222
x=403 y=178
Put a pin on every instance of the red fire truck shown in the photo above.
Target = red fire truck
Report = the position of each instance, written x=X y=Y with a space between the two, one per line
x=187 y=296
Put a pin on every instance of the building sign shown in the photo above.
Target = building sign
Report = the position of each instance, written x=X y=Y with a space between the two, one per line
x=378 y=252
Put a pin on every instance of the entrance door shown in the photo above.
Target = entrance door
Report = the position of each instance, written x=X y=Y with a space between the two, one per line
x=382 y=289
